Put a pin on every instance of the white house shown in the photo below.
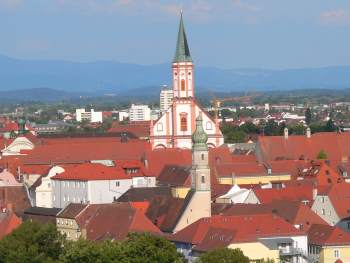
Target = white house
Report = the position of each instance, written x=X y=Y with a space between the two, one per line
x=94 y=184
x=43 y=193
x=91 y=116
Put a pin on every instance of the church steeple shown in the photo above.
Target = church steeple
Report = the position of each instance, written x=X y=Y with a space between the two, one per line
x=182 y=53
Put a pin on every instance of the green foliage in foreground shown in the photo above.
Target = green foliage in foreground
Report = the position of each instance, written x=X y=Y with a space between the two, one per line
x=226 y=255
x=37 y=243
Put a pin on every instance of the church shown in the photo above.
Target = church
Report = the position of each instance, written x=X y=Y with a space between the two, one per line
x=176 y=126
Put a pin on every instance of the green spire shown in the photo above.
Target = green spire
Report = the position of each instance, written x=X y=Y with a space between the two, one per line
x=199 y=137
x=21 y=126
x=182 y=53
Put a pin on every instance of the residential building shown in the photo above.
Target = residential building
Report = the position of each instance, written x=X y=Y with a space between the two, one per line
x=102 y=221
x=139 y=113
x=43 y=192
x=258 y=236
x=166 y=99
x=177 y=124
x=332 y=204
x=90 y=116
x=328 y=244
x=51 y=127
x=41 y=215
x=95 y=183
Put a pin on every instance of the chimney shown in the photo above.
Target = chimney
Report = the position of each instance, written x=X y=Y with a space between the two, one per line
x=286 y=133
x=308 y=132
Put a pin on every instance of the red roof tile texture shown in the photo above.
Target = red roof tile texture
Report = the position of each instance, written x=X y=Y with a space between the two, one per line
x=92 y=172
x=336 y=146
x=238 y=229
x=325 y=235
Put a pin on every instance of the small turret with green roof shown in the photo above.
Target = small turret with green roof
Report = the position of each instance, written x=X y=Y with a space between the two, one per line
x=199 y=137
x=182 y=53
x=21 y=126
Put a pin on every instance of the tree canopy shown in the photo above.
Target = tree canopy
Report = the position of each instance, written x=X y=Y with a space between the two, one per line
x=226 y=255
x=42 y=243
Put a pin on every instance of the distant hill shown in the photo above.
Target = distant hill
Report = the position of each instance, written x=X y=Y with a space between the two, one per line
x=102 y=77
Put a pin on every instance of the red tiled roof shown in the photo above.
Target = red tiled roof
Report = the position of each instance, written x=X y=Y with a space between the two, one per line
x=291 y=193
x=35 y=169
x=339 y=195
x=113 y=221
x=159 y=158
x=16 y=196
x=8 y=222
x=139 y=129
x=78 y=150
x=325 y=235
x=92 y=171
x=175 y=176
x=243 y=229
x=336 y=146
x=294 y=212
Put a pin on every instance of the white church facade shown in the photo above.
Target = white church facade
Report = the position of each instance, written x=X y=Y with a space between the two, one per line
x=176 y=126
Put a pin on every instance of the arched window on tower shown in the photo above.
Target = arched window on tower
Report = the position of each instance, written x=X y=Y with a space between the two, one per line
x=183 y=122
x=183 y=85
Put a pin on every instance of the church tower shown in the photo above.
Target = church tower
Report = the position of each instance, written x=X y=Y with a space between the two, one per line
x=198 y=199
x=200 y=172
x=183 y=85
x=175 y=127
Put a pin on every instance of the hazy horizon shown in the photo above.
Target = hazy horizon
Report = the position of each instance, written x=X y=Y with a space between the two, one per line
x=230 y=34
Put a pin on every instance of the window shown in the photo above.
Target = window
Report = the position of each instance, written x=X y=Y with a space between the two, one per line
x=48 y=185
x=117 y=184
x=58 y=221
x=202 y=156
x=160 y=127
x=322 y=199
x=323 y=212
x=183 y=123
x=348 y=225
x=203 y=179
x=209 y=126
x=183 y=85
x=336 y=253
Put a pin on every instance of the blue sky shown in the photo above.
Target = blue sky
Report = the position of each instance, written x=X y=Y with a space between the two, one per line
x=222 y=33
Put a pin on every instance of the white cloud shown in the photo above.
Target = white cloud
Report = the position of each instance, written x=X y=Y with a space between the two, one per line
x=337 y=16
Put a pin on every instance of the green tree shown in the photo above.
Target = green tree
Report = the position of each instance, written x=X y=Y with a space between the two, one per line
x=322 y=155
x=330 y=127
x=145 y=248
x=85 y=251
x=224 y=255
x=32 y=243
x=308 y=116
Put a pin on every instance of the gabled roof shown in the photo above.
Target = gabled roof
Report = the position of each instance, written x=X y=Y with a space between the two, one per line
x=339 y=195
x=293 y=212
x=113 y=221
x=72 y=210
x=175 y=176
x=336 y=145
x=8 y=222
x=92 y=172
x=291 y=193
x=182 y=53
x=325 y=235
x=80 y=150
x=234 y=229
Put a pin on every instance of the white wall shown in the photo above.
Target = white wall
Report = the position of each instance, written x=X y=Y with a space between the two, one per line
x=43 y=193
x=105 y=191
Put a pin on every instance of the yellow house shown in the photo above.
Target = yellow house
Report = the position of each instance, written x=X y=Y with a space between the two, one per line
x=327 y=244
x=259 y=236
